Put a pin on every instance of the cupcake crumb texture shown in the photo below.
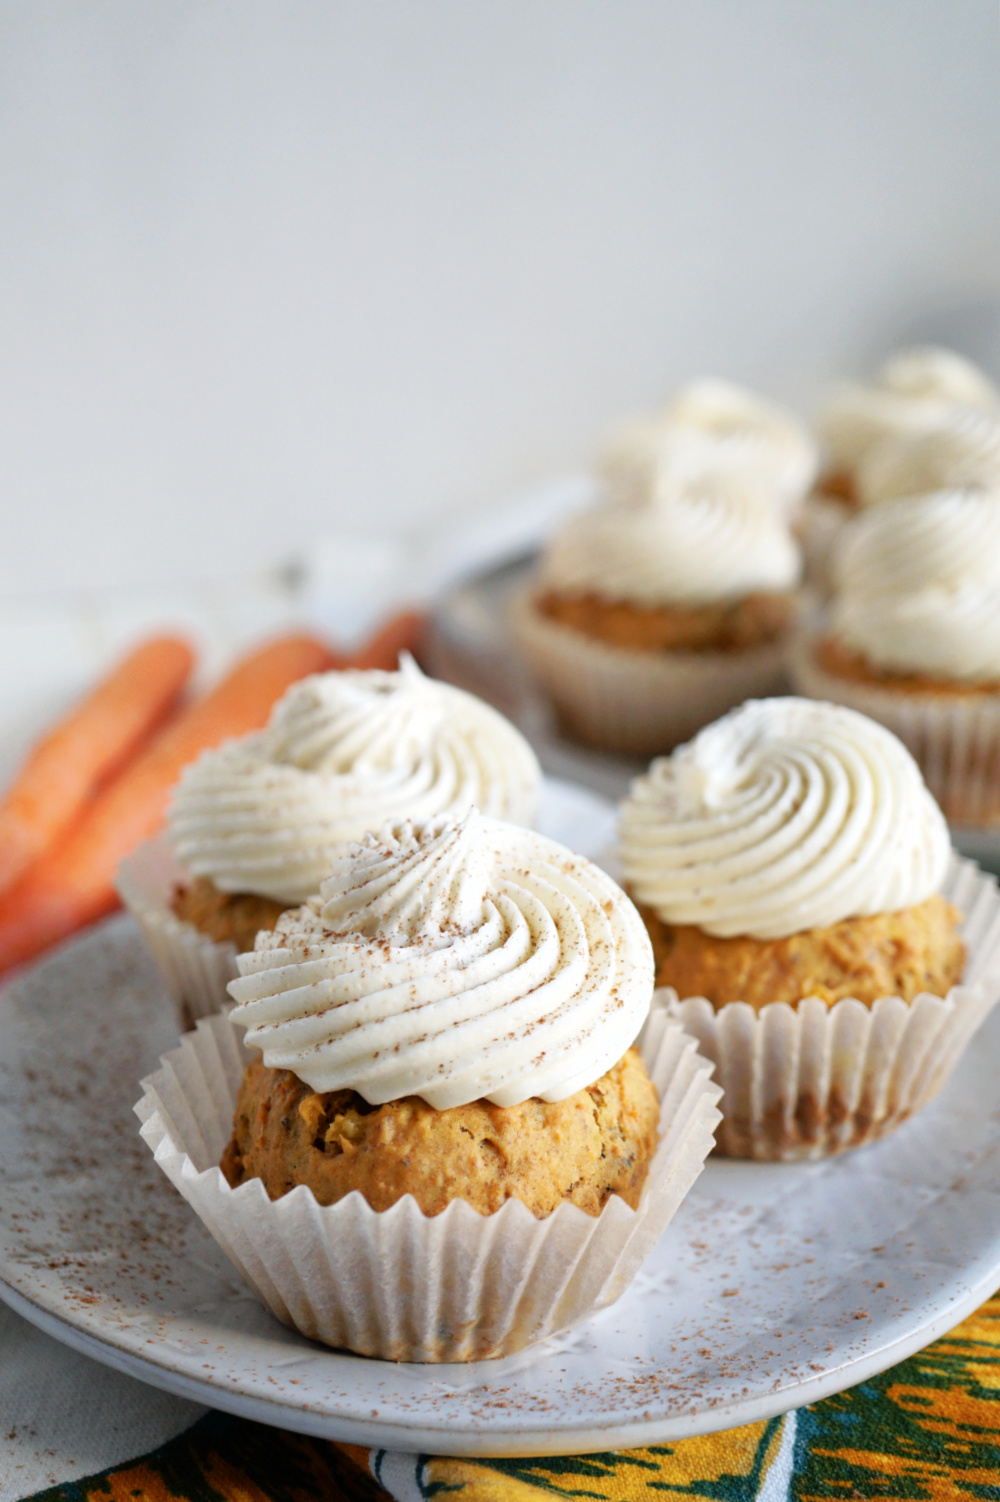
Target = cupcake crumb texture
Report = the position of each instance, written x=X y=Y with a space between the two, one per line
x=233 y=917
x=902 y=954
x=583 y=1149
x=834 y=657
x=719 y=626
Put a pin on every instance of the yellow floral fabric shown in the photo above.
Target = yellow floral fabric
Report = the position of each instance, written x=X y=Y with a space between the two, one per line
x=926 y=1429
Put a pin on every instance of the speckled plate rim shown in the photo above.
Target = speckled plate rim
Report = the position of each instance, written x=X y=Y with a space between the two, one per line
x=566 y=1439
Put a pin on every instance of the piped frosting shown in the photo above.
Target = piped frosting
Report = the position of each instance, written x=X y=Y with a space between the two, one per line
x=717 y=432
x=918 y=586
x=914 y=389
x=454 y=961
x=961 y=451
x=344 y=752
x=701 y=543
x=786 y=814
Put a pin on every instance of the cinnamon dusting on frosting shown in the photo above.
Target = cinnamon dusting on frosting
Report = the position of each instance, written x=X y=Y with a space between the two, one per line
x=454 y=961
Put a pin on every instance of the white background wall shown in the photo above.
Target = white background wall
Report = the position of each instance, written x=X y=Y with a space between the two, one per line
x=273 y=267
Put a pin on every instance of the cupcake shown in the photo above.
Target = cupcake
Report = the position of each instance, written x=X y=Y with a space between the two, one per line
x=440 y=1141
x=912 y=638
x=915 y=389
x=254 y=825
x=811 y=924
x=918 y=393
x=647 y=620
x=717 y=431
x=961 y=451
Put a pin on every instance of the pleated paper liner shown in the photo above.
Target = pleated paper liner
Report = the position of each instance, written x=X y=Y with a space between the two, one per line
x=814 y=1080
x=398 y=1284
x=955 y=738
x=196 y=968
x=641 y=703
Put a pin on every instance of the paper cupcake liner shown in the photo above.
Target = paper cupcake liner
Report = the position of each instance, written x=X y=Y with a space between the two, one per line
x=458 y=1286
x=639 y=702
x=955 y=738
x=195 y=968
x=811 y=1081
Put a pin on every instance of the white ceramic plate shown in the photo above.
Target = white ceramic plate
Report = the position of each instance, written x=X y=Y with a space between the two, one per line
x=774 y=1286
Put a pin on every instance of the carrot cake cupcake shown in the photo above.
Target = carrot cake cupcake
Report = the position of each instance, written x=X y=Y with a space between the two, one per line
x=647 y=620
x=913 y=639
x=915 y=389
x=960 y=451
x=254 y=825
x=794 y=874
x=446 y=1041
x=447 y=1088
x=714 y=430
x=918 y=393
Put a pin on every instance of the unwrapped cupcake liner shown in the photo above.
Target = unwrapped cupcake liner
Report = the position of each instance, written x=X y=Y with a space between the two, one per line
x=955 y=738
x=196 y=968
x=641 y=703
x=811 y=1081
x=458 y=1286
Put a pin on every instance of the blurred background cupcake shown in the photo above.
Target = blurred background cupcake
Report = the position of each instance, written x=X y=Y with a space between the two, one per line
x=671 y=601
x=919 y=399
x=712 y=429
x=912 y=638
x=959 y=449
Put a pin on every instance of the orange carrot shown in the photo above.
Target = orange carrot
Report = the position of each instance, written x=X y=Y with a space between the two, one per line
x=402 y=633
x=94 y=741
x=72 y=882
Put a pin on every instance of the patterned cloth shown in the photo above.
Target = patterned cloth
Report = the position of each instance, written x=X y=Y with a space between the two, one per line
x=928 y=1428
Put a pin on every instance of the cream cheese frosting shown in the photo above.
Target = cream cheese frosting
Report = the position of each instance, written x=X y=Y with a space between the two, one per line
x=915 y=388
x=961 y=450
x=786 y=814
x=705 y=542
x=454 y=961
x=342 y=753
x=919 y=586
x=712 y=430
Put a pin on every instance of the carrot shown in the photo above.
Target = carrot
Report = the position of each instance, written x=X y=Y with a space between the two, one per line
x=402 y=633
x=71 y=883
x=87 y=747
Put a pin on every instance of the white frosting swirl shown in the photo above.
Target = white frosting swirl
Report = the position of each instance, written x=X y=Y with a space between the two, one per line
x=919 y=586
x=787 y=814
x=454 y=962
x=930 y=370
x=714 y=431
x=914 y=389
x=703 y=544
x=962 y=450
x=342 y=753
